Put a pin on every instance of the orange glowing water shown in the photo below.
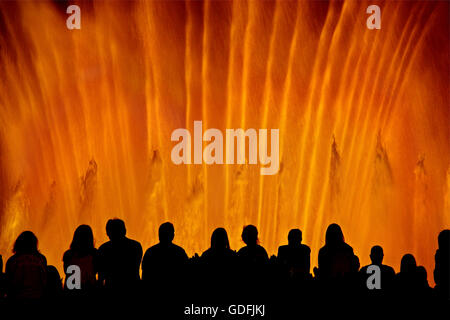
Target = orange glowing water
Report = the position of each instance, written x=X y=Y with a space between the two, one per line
x=86 y=117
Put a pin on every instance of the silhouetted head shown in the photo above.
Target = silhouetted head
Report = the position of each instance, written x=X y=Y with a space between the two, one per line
x=444 y=240
x=166 y=232
x=115 y=229
x=408 y=263
x=250 y=235
x=26 y=243
x=376 y=255
x=334 y=235
x=83 y=239
x=219 y=239
x=294 y=237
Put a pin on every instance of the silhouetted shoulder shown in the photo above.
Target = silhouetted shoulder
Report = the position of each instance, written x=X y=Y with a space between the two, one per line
x=67 y=255
x=242 y=252
x=165 y=250
x=71 y=254
x=384 y=269
x=104 y=247
x=210 y=253
x=282 y=250
x=347 y=247
x=26 y=275
x=180 y=250
x=257 y=251
x=135 y=244
x=31 y=258
x=153 y=250
x=388 y=269
x=341 y=247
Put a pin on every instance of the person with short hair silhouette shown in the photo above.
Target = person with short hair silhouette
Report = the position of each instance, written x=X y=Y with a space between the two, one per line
x=164 y=263
x=336 y=258
x=441 y=271
x=26 y=270
x=119 y=259
x=295 y=257
x=83 y=254
x=387 y=273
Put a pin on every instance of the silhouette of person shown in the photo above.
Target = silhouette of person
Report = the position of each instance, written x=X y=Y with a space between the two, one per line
x=252 y=254
x=83 y=254
x=336 y=258
x=295 y=257
x=164 y=263
x=219 y=261
x=219 y=255
x=441 y=271
x=119 y=259
x=26 y=270
x=387 y=273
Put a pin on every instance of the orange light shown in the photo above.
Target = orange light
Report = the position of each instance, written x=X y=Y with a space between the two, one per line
x=86 y=117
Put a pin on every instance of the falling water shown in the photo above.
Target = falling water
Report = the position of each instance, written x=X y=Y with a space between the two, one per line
x=86 y=117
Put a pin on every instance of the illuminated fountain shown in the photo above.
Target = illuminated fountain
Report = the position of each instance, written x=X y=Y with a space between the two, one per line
x=86 y=117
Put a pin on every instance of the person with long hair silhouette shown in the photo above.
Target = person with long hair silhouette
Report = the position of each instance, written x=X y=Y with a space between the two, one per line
x=82 y=253
x=218 y=263
x=26 y=270
x=336 y=258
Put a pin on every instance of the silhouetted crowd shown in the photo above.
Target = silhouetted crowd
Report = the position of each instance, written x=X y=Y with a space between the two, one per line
x=218 y=275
